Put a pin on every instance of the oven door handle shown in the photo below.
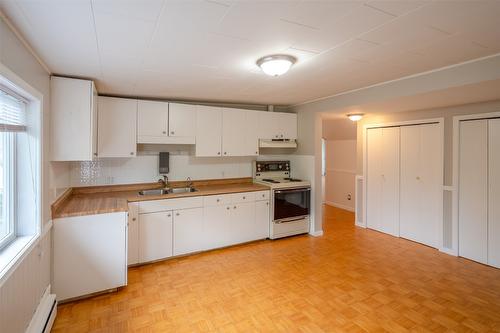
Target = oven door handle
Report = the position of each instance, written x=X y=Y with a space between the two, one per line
x=290 y=219
x=292 y=191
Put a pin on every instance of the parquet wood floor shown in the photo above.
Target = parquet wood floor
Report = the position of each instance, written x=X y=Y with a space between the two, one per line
x=349 y=280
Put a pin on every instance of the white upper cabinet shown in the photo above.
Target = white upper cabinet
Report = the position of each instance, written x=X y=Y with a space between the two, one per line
x=182 y=121
x=239 y=132
x=152 y=122
x=73 y=119
x=277 y=125
x=117 y=123
x=208 y=131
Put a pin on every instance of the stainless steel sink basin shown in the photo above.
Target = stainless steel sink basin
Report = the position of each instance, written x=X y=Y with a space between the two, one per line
x=168 y=191
x=154 y=192
x=182 y=190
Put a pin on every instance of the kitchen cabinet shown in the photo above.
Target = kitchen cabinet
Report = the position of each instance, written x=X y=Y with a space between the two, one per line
x=217 y=222
x=262 y=219
x=208 y=131
x=90 y=254
x=117 y=124
x=155 y=236
x=277 y=125
x=239 y=132
x=242 y=223
x=182 y=120
x=152 y=122
x=133 y=233
x=188 y=231
x=73 y=119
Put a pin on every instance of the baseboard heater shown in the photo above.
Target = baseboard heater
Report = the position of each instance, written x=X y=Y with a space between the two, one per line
x=45 y=314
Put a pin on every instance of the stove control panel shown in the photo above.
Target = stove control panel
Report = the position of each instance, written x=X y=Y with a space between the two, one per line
x=272 y=166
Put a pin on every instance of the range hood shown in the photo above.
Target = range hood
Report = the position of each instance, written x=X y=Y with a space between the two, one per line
x=277 y=143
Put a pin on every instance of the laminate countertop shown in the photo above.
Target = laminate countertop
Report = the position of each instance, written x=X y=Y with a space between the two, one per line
x=93 y=200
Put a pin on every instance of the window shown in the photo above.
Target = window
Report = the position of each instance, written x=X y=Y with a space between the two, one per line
x=12 y=124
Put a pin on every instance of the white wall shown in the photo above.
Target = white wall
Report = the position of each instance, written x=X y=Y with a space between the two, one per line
x=340 y=173
x=22 y=287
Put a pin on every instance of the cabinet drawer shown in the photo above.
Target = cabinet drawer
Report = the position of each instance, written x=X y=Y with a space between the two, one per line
x=243 y=197
x=261 y=195
x=216 y=200
x=169 y=204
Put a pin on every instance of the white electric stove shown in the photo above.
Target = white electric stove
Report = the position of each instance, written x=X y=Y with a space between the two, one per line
x=290 y=198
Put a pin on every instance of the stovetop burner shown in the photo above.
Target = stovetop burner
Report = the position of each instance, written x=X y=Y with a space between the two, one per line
x=270 y=180
x=293 y=179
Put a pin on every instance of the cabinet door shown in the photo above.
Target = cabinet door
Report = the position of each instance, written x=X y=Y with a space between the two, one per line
x=72 y=119
x=117 y=123
x=133 y=233
x=494 y=193
x=251 y=134
x=288 y=122
x=233 y=132
x=269 y=127
x=262 y=219
x=208 y=131
x=188 y=231
x=242 y=226
x=182 y=120
x=155 y=236
x=152 y=122
x=90 y=254
x=473 y=191
x=217 y=222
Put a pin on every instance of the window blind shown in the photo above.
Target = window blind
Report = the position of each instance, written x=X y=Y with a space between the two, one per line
x=12 y=111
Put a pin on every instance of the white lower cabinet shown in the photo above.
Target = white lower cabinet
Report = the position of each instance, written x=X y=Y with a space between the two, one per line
x=261 y=229
x=155 y=236
x=188 y=234
x=90 y=254
x=163 y=228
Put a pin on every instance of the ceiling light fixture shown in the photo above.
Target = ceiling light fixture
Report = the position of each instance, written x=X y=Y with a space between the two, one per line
x=355 y=116
x=275 y=65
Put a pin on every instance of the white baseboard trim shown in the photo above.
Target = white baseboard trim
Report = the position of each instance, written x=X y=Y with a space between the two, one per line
x=344 y=207
x=318 y=233
x=360 y=224
x=451 y=252
x=45 y=314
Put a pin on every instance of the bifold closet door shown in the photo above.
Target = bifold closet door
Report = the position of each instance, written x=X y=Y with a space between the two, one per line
x=473 y=191
x=382 y=202
x=494 y=192
x=421 y=183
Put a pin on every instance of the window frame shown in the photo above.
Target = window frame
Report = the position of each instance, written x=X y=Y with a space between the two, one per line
x=10 y=184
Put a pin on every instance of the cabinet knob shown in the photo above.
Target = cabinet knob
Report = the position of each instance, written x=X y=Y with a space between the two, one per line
x=131 y=153
x=164 y=132
x=177 y=214
x=225 y=153
x=172 y=132
x=95 y=154
x=281 y=135
x=276 y=136
x=244 y=198
x=133 y=219
x=256 y=153
x=218 y=153
x=228 y=208
x=267 y=203
x=218 y=200
x=234 y=207
x=418 y=178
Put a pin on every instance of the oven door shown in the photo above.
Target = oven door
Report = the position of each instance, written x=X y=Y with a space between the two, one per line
x=291 y=204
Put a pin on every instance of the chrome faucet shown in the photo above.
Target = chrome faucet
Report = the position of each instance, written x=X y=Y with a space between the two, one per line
x=189 y=182
x=164 y=181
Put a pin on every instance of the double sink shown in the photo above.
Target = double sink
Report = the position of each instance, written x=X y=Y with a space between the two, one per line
x=168 y=190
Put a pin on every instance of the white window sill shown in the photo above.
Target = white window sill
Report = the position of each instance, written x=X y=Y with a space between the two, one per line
x=13 y=253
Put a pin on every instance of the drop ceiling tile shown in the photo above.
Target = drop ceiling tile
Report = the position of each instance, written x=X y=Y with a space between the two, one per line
x=130 y=9
x=77 y=45
x=396 y=7
x=120 y=35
